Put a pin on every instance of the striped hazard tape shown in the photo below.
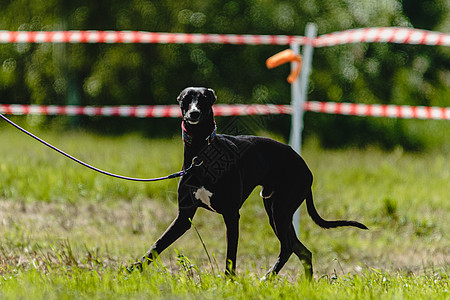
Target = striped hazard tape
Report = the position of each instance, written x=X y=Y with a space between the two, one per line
x=380 y=110
x=400 y=35
x=173 y=111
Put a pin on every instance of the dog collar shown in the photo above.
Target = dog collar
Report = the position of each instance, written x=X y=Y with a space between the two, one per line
x=188 y=138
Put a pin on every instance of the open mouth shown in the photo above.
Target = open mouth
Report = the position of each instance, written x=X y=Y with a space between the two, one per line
x=193 y=118
x=193 y=122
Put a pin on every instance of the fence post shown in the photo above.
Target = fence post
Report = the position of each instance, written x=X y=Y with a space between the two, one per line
x=299 y=90
x=295 y=139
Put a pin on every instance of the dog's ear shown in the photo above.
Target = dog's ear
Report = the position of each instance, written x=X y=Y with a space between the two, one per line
x=180 y=96
x=211 y=95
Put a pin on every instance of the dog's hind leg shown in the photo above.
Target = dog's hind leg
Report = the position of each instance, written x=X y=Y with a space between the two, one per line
x=268 y=207
x=302 y=252
x=280 y=212
x=280 y=223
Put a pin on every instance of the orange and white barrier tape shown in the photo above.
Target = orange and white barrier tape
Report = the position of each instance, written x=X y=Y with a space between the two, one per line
x=144 y=111
x=380 y=110
x=143 y=37
x=399 y=35
x=364 y=35
x=173 y=111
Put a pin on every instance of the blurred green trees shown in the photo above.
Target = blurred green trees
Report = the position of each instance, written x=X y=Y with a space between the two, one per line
x=101 y=74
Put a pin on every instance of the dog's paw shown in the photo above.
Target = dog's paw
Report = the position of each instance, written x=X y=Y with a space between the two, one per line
x=269 y=276
x=137 y=266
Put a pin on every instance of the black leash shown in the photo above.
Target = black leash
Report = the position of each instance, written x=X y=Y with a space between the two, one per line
x=171 y=176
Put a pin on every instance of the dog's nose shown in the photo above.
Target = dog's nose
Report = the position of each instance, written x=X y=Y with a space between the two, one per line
x=195 y=115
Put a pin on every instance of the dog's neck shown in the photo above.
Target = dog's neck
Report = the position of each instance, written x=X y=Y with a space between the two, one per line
x=198 y=136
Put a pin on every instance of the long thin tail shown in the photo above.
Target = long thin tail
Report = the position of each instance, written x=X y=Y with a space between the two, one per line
x=328 y=224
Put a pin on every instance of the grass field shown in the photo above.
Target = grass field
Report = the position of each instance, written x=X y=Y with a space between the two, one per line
x=67 y=232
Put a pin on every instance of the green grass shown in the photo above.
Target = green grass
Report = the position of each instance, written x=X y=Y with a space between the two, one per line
x=68 y=232
x=160 y=283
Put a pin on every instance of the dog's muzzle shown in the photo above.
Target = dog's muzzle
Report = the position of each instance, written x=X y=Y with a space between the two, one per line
x=193 y=114
x=193 y=117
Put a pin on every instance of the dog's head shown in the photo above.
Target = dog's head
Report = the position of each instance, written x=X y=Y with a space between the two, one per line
x=196 y=104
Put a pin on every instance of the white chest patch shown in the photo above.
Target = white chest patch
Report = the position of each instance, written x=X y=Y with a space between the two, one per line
x=204 y=195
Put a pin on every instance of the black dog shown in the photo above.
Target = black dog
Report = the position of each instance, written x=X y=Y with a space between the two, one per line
x=227 y=170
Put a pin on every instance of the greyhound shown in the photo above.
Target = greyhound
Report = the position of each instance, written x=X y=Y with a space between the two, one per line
x=227 y=170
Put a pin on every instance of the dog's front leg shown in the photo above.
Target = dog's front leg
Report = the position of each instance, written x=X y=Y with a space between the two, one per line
x=178 y=227
x=232 y=224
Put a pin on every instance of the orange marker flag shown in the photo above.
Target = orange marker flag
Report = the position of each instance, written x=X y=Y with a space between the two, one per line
x=285 y=57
